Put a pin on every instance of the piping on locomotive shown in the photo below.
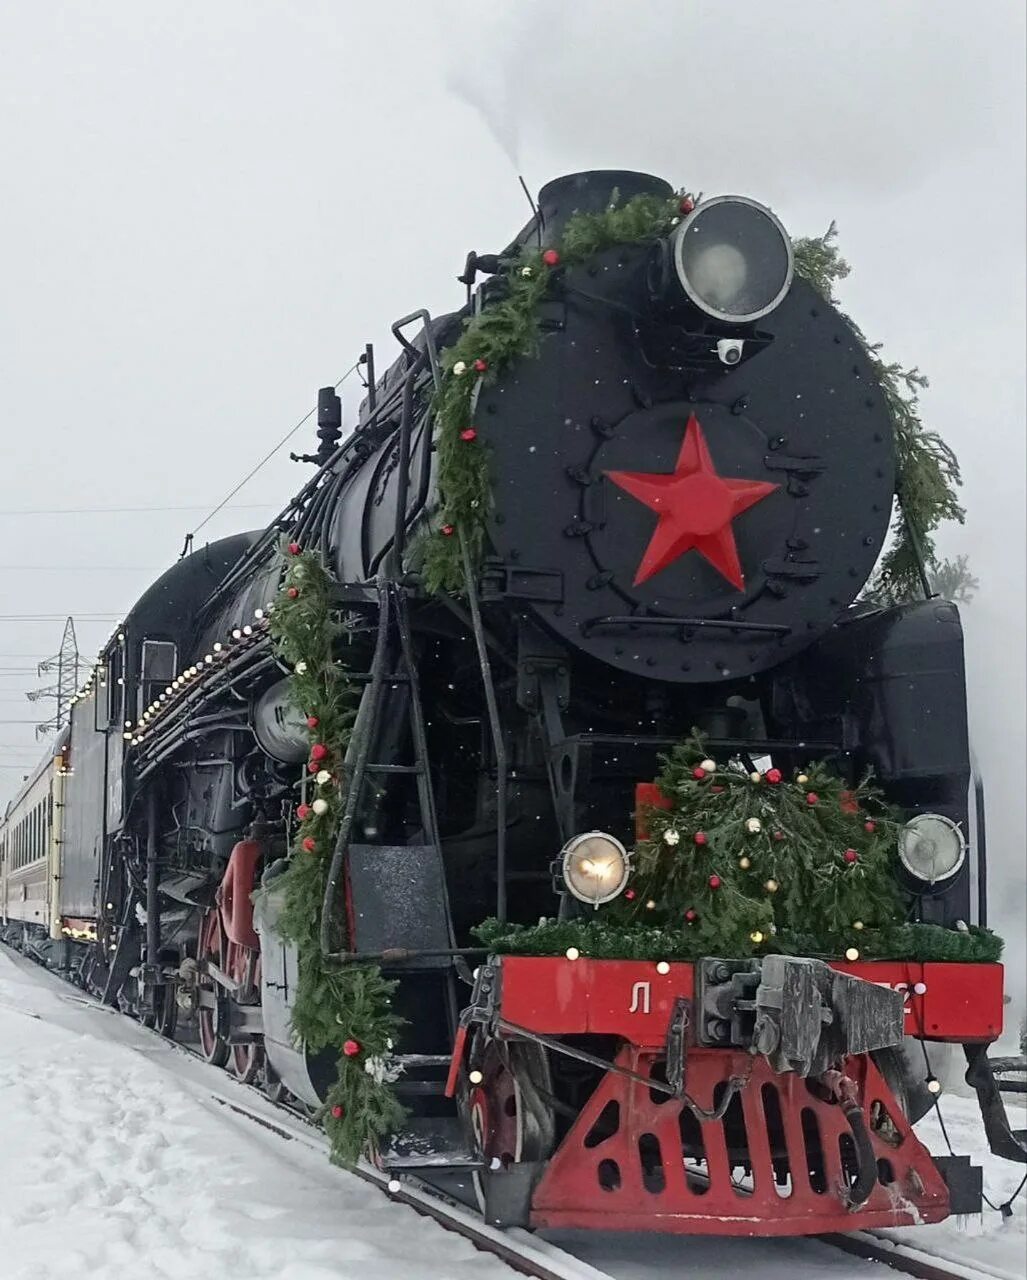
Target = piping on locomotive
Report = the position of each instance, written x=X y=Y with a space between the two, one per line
x=500 y=725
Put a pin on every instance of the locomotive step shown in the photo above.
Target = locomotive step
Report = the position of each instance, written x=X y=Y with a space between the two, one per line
x=430 y=1143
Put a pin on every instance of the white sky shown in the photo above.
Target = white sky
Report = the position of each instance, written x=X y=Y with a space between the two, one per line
x=207 y=209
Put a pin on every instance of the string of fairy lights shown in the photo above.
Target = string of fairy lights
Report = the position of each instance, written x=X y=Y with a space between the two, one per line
x=135 y=731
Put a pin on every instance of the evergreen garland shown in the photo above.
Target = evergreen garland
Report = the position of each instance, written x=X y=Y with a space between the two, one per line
x=927 y=469
x=737 y=856
x=505 y=330
x=739 y=864
x=601 y=939
x=342 y=1007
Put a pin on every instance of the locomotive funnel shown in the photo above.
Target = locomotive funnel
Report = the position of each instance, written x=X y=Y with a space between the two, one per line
x=590 y=192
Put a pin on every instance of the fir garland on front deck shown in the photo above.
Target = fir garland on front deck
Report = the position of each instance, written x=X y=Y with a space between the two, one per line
x=342 y=1007
x=739 y=863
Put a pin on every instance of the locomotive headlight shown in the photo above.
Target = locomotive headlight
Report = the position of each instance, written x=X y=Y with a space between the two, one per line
x=595 y=867
x=931 y=848
x=733 y=259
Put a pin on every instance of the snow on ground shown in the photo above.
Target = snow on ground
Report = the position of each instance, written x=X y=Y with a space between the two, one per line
x=988 y=1241
x=111 y=1166
x=117 y=1162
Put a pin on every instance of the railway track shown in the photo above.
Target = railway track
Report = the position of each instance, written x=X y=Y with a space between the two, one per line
x=525 y=1253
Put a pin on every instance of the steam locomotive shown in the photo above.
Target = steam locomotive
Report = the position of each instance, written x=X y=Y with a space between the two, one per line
x=692 y=481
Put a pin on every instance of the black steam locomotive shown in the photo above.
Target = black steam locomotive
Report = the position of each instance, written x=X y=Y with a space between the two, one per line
x=691 y=481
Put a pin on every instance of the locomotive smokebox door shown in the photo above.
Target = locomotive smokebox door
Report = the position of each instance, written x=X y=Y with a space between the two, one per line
x=391 y=889
x=706 y=519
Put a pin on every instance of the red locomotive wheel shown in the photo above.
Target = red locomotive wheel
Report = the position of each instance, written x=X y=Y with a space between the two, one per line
x=211 y=948
x=245 y=1060
x=507 y=1118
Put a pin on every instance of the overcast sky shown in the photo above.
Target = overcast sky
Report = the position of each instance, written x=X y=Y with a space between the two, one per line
x=207 y=208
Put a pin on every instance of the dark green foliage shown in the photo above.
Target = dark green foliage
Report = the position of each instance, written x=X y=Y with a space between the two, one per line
x=786 y=875
x=507 y=330
x=504 y=331
x=824 y=903
x=332 y=1003
x=603 y=940
x=909 y=940
x=928 y=472
x=952 y=580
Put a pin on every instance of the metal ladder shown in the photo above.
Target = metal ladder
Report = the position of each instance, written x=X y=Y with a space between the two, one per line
x=426 y=1140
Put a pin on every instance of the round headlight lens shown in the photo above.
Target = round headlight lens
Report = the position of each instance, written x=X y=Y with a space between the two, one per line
x=595 y=867
x=931 y=847
x=733 y=259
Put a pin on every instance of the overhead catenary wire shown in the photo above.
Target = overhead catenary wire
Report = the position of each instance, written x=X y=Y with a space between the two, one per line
x=18 y=512
x=266 y=458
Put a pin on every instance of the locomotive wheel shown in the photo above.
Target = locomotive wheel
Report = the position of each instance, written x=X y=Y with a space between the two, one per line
x=212 y=947
x=508 y=1117
x=245 y=1060
x=273 y=1086
x=164 y=1018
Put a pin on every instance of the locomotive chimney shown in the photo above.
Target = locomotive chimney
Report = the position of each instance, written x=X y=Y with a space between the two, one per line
x=591 y=192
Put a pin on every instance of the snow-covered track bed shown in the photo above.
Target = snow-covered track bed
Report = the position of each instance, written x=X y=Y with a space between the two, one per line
x=560 y=1256
x=925 y=1264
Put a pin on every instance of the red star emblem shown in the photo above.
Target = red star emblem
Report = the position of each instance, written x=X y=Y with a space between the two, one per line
x=695 y=508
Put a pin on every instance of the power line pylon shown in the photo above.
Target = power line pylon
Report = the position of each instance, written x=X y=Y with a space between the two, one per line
x=65 y=663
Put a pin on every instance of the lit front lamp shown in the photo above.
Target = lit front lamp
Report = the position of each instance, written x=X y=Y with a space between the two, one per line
x=595 y=867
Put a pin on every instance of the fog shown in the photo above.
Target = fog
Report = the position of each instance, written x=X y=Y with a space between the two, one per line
x=209 y=208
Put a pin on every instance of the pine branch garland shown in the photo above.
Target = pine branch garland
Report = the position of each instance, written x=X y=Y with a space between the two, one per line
x=604 y=940
x=740 y=864
x=507 y=330
x=334 y=1007
x=928 y=470
x=750 y=854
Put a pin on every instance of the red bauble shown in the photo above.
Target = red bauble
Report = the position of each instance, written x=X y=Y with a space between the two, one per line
x=338 y=1112
x=448 y=530
x=698 y=773
x=716 y=790
x=848 y=803
x=318 y=751
x=312 y=767
x=312 y=722
x=292 y=592
x=294 y=548
x=870 y=826
x=551 y=258
x=699 y=837
x=351 y=1048
x=468 y=434
x=687 y=204
x=303 y=812
x=481 y=365
x=812 y=797
x=691 y=915
x=773 y=775
x=310 y=844
x=779 y=835
x=850 y=855
x=714 y=882
x=629 y=894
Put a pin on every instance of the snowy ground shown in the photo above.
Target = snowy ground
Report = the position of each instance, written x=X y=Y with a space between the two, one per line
x=116 y=1161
